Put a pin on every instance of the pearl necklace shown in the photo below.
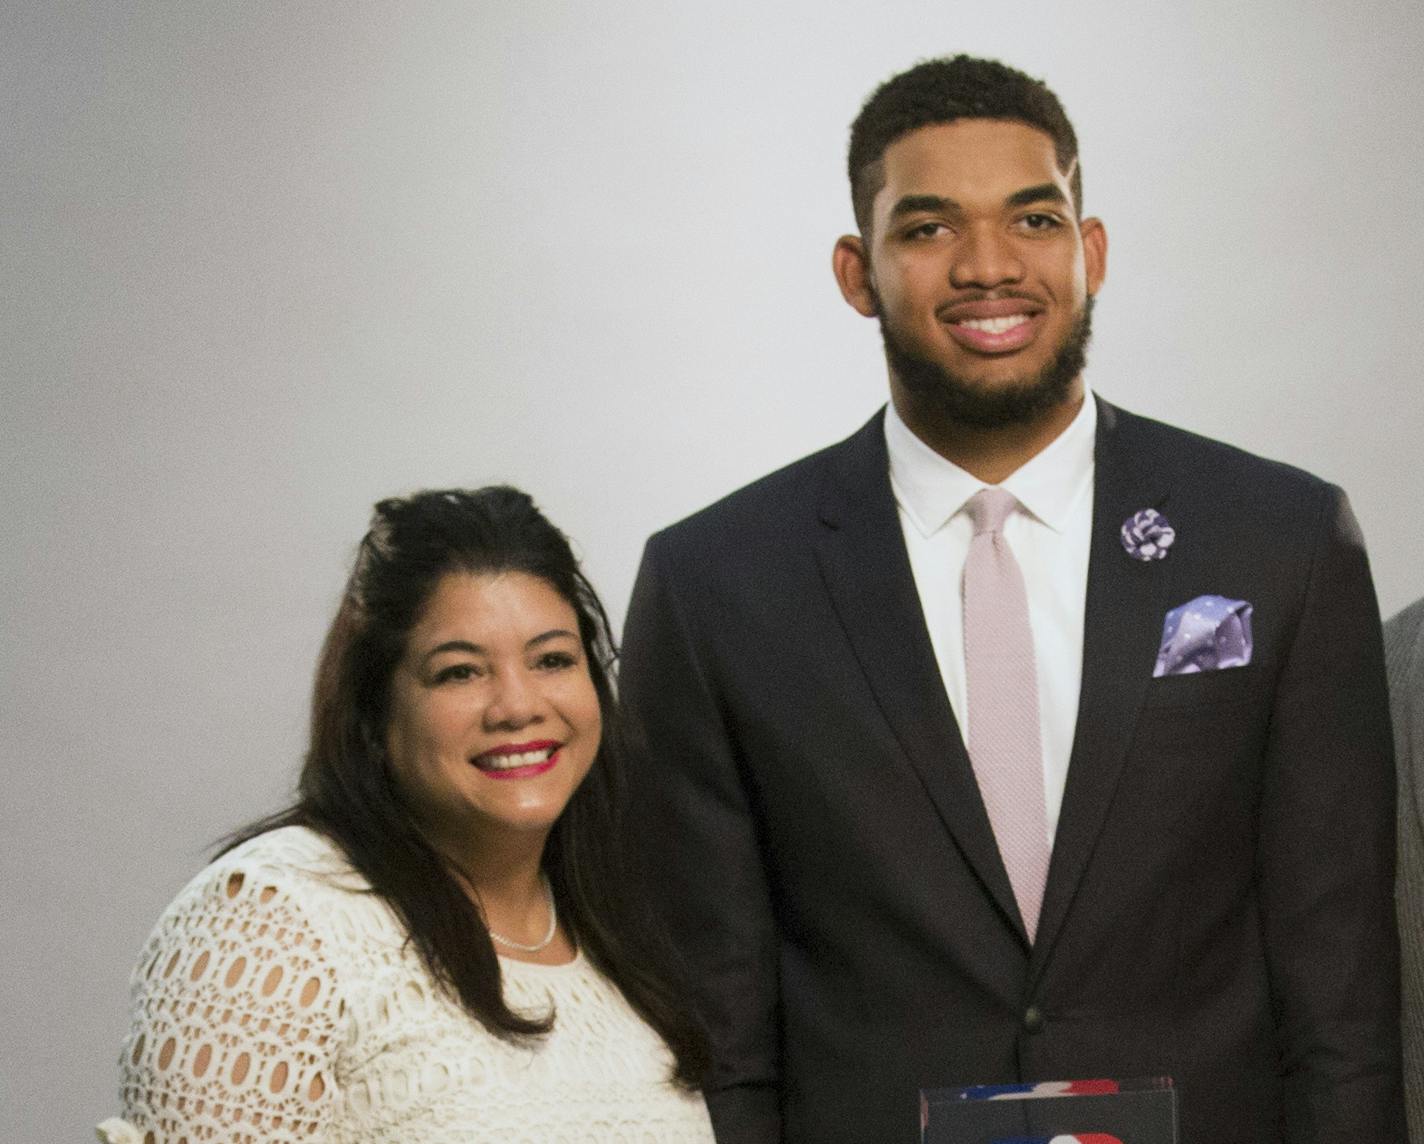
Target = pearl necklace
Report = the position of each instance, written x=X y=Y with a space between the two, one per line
x=543 y=942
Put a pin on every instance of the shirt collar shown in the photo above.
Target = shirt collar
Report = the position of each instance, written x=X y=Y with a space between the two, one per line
x=930 y=489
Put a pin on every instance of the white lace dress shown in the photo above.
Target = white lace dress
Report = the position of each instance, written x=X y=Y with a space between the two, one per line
x=277 y=1000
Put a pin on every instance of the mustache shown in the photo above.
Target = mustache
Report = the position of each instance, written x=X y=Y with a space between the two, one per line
x=1008 y=294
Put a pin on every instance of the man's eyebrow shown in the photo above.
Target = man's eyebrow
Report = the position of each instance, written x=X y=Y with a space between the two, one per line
x=1039 y=193
x=1043 y=193
x=912 y=204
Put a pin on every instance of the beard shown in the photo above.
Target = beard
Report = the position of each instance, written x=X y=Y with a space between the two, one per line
x=966 y=402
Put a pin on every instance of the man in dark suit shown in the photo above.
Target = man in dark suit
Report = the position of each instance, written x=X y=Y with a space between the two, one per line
x=1102 y=788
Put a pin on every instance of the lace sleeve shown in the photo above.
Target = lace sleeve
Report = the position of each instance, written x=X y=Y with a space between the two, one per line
x=235 y=1016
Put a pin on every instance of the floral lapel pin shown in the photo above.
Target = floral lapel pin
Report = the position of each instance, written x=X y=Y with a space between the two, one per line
x=1147 y=534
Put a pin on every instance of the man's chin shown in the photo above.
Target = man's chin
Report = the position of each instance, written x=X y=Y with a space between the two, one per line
x=991 y=408
x=983 y=403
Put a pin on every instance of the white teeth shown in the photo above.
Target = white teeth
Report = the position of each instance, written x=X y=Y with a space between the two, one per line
x=995 y=325
x=509 y=762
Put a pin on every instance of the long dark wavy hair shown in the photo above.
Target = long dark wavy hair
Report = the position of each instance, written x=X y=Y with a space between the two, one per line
x=346 y=790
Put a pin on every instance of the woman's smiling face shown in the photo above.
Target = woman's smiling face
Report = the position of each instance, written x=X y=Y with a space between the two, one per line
x=494 y=720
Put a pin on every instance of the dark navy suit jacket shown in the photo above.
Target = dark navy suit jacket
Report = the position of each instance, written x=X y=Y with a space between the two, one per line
x=1219 y=904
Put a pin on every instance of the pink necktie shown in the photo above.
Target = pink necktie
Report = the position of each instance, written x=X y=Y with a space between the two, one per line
x=1002 y=690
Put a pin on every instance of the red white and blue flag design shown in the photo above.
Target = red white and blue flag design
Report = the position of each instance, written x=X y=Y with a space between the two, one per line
x=1068 y=1139
x=1072 y=1138
x=1045 y=1089
x=1042 y=1088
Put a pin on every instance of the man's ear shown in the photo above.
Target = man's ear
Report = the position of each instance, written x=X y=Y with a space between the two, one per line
x=852 y=269
x=1095 y=252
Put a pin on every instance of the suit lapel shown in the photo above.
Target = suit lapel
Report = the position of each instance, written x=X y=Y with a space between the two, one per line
x=862 y=556
x=1125 y=604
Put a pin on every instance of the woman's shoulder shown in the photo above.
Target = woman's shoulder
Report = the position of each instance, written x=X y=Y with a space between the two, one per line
x=293 y=878
x=290 y=860
x=297 y=850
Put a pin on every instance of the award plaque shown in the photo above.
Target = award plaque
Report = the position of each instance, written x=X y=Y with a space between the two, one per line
x=1052 y=1112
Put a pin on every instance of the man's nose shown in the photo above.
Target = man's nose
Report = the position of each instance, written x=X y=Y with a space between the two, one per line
x=985 y=257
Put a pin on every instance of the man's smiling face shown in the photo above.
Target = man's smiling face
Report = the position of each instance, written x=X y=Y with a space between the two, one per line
x=980 y=272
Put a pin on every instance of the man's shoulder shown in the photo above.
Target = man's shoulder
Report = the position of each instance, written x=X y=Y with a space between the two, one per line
x=780 y=502
x=1218 y=468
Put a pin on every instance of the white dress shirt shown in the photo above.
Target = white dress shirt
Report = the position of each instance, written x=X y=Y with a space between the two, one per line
x=1049 y=535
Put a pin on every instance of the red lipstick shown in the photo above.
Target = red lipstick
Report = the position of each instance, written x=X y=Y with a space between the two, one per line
x=518 y=760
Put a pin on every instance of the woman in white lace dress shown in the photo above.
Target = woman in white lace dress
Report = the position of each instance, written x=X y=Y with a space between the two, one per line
x=439 y=941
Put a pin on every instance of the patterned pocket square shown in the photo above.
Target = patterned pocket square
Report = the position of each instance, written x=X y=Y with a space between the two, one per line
x=1205 y=634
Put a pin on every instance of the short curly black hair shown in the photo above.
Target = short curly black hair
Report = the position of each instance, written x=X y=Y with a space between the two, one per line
x=941 y=91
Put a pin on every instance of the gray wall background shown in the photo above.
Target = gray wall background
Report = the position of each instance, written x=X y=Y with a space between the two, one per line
x=265 y=263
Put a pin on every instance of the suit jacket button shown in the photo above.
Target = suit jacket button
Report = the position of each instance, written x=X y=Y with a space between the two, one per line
x=1033 y=1020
